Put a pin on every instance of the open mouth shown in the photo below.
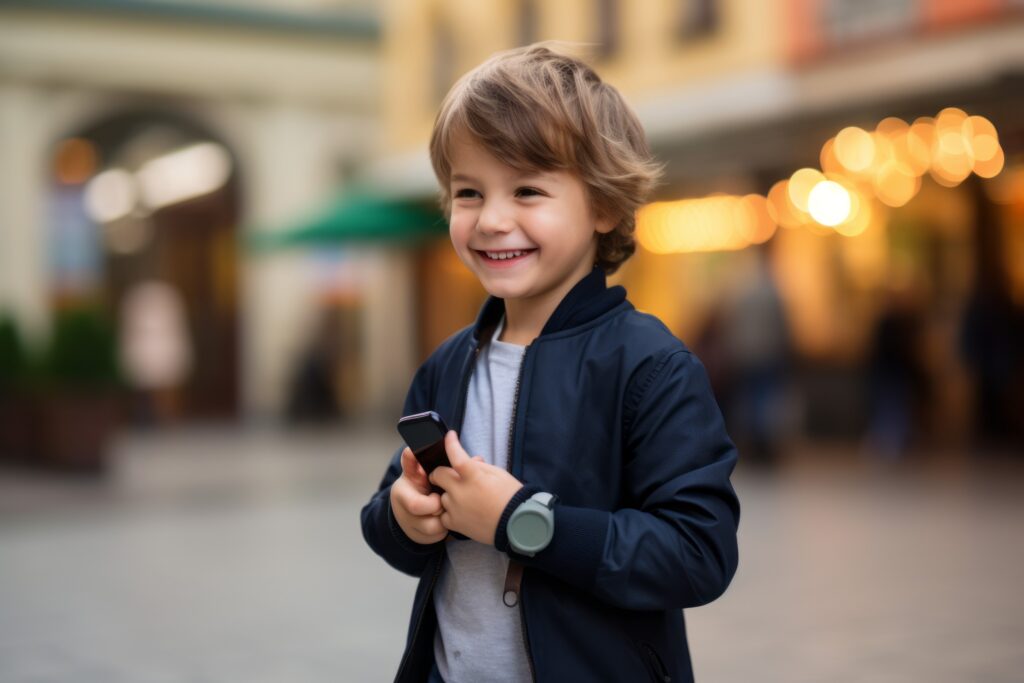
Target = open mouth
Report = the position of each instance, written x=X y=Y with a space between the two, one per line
x=507 y=256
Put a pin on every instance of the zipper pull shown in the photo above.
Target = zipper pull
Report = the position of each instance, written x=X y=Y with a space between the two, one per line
x=513 y=584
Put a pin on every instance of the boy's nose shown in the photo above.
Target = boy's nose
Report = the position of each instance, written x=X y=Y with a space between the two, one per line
x=494 y=218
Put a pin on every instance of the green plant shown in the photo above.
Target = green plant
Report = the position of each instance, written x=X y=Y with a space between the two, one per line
x=14 y=364
x=82 y=353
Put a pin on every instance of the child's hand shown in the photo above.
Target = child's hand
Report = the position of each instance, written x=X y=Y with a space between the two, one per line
x=417 y=510
x=475 y=493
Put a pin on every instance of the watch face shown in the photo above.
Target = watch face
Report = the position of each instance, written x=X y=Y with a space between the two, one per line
x=531 y=529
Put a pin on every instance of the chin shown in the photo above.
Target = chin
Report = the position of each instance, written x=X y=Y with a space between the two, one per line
x=502 y=290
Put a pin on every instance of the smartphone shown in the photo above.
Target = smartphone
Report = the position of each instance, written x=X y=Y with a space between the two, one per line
x=424 y=434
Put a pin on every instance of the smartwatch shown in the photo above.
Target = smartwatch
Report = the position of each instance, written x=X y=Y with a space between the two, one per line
x=532 y=525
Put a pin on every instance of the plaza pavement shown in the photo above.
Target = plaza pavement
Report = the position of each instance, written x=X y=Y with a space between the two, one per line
x=223 y=556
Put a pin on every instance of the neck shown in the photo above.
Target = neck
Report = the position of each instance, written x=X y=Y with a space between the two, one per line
x=525 y=317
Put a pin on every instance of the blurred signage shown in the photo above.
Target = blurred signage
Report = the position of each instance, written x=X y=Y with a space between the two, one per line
x=820 y=28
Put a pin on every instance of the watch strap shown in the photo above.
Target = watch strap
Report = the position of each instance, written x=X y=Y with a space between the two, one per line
x=520 y=497
x=544 y=498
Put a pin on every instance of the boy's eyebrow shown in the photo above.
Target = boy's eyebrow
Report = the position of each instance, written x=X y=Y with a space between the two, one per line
x=462 y=177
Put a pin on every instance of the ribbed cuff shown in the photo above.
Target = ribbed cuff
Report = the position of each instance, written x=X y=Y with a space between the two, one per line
x=520 y=497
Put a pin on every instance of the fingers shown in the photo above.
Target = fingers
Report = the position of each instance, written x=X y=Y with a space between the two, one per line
x=431 y=528
x=457 y=455
x=415 y=502
x=445 y=477
x=413 y=471
x=424 y=506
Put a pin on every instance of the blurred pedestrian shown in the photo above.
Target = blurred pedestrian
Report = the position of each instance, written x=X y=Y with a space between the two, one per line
x=312 y=397
x=757 y=357
x=992 y=344
x=156 y=351
x=599 y=504
x=897 y=377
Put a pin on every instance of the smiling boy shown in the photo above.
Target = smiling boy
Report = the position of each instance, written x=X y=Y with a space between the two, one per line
x=596 y=504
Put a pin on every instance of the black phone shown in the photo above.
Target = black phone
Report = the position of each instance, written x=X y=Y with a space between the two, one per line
x=424 y=434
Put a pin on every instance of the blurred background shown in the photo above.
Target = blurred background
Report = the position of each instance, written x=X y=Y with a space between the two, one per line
x=221 y=260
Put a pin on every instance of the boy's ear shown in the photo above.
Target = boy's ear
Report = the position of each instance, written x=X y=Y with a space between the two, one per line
x=605 y=224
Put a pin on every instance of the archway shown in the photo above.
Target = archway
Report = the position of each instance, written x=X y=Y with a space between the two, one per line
x=144 y=218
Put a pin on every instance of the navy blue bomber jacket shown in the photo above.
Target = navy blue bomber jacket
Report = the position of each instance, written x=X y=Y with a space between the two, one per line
x=616 y=417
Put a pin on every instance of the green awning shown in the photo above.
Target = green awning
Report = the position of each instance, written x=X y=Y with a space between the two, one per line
x=360 y=218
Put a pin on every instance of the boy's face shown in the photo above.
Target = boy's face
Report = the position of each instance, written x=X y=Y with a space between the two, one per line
x=527 y=236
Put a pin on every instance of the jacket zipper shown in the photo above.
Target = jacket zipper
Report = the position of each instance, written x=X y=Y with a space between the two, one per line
x=514 y=576
x=419 y=621
x=460 y=406
x=657 y=666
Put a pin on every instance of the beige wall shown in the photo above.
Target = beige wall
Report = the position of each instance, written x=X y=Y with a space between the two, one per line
x=289 y=106
x=649 y=61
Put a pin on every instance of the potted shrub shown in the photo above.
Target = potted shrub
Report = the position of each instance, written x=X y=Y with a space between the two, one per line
x=16 y=414
x=79 y=406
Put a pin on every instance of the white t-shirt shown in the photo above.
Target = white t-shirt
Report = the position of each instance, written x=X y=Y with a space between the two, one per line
x=478 y=637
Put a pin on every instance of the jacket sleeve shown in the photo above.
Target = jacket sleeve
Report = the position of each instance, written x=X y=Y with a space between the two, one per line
x=674 y=546
x=380 y=528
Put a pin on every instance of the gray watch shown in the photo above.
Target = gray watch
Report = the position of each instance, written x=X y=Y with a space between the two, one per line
x=532 y=525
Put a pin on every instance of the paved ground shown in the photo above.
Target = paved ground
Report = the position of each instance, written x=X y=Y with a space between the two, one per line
x=217 y=556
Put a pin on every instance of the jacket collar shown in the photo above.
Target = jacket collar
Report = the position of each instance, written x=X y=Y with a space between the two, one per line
x=589 y=298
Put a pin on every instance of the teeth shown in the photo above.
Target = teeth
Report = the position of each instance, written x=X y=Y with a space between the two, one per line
x=502 y=255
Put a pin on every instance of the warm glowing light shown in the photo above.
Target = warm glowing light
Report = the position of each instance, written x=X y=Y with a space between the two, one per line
x=762 y=227
x=896 y=184
x=974 y=126
x=715 y=223
x=75 y=161
x=990 y=168
x=984 y=147
x=892 y=127
x=829 y=203
x=781 y=209
x=855 y=149
x=920 y=139
x=111 y=195
x=800 y=185
x=862 y=216
x=950 y=119
x=981 y=137
x=184 y=174
x=829 y=163
x=650 y=226
x=949 y=169
x=952 y=143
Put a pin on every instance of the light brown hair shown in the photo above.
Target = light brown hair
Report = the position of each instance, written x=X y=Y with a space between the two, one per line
x=538 y=110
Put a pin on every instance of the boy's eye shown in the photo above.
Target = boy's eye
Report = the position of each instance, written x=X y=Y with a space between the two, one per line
x=528 y=192
x=466 y=193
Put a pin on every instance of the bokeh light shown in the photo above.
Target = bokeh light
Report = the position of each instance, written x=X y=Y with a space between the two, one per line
x=862 y=213
x=781 y=209
x=800 y=185
x=829 y=203
x=895 y=183
x=184 y=174
x=855 y=149
x=111 y=195
x=714 y=223
x=920 y=138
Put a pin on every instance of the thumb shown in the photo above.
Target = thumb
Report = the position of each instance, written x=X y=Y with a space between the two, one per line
x=412 y=471
x=457 y=455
